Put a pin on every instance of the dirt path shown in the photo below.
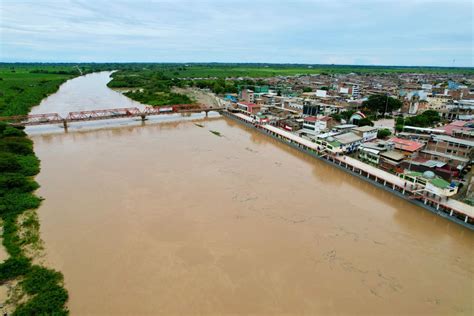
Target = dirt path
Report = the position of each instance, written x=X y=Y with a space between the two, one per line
x=205 y=98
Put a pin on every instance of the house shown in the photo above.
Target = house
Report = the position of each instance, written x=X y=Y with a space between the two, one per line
x=343 y=128
x=314 y=125
x=460 y=129
x=290 y=124
x=391 y=160
x=440 y=168
x=329 y=144
x=430 y=183
x=248 y=107
x=247 y=95
x=349 y=141
x=408 y=147
x=367 y=133
x=452 y=150
x=370 y=151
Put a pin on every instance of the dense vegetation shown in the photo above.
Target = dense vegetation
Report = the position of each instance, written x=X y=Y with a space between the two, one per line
x=18 y=165
x=426 y=119
x=41 y=290
x=380 y=103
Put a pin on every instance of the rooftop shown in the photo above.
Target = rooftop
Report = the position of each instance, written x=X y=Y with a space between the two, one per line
x=406 y=145
x=365 y=128
x=348 y=138
x=455 y=140
x=393 y=155
x=457 y=125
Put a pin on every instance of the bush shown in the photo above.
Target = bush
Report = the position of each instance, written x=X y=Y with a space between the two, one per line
x=29 y=165
x=49 y=302
x=16 y=183
x=383 y=133
x=9 y=162
x=13 y=131
x=365 y=122
x=13 y=267
x=15 y=203
x=40 y=279
x=16 y=145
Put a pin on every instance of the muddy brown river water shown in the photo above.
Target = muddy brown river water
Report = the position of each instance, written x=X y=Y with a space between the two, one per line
x=171 y=219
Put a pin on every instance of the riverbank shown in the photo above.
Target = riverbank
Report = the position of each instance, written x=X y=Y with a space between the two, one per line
x=452 y=210
x=26 y=287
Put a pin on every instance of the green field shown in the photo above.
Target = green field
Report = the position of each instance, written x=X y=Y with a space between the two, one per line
x=218 y=70
x=23 y=85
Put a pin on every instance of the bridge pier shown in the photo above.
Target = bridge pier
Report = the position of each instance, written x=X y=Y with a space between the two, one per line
x=143 y=116
x=65 y=125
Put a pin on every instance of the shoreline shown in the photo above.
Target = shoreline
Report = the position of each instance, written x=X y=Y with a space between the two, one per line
x=400 y=194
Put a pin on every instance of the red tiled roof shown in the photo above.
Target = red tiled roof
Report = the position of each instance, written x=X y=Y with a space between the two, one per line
x=456 y=125
x=406 y=145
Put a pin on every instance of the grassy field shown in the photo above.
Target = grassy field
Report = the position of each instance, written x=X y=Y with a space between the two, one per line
x=260 y=70
x=23 y=86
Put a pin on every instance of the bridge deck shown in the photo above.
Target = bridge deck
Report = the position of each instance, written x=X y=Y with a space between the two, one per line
x=105 y=114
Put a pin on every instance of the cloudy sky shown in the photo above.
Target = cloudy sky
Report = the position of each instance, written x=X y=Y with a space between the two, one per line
x=371 y=32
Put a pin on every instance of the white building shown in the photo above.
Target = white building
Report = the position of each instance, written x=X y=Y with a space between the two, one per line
x=314 y=125
x=366 y=132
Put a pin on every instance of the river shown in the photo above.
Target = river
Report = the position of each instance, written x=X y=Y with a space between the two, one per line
x=170 y=218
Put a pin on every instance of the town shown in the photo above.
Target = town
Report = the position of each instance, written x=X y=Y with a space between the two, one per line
x=419 y=127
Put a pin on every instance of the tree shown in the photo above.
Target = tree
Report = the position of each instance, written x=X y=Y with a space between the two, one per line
x=381 y=103
x=307 y=89
x=383 y=133
x=425 y=119
x=365 y=122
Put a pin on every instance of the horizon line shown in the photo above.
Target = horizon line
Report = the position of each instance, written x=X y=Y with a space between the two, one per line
x=223 y=63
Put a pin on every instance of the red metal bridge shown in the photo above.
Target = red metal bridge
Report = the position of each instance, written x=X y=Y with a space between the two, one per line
x=105 y=114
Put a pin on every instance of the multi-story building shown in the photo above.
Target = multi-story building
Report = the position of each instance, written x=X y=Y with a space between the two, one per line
x=449 y=149
x=367 y=133
x=314 y=125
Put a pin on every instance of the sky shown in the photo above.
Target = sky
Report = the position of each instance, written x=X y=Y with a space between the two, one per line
x=361 y=32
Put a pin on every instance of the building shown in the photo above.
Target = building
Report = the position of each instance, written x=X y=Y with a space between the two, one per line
x=349 y=141
x=430 y=183
x=391 y=160
x=409 y=148
x=247 y=95
x=290 y=124
x=248 y=107
x=370 y=151
x=343 y=128
x=454 y=151
x=314 y=125
x=367 y=133
x=356 y=117
x=460 y=129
